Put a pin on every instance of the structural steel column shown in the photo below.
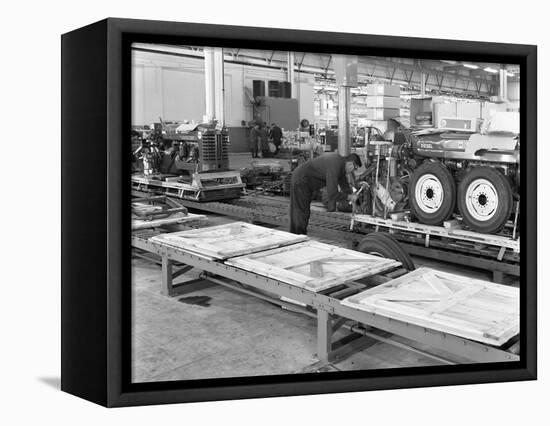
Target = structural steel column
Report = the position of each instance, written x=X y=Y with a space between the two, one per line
x=345 y=67
x=209 y=83
x=344 y=131
x=219 y=86
x=503 y=84
x=423 y=84
x=290 y=74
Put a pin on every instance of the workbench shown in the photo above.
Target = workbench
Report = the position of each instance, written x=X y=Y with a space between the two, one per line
x=327 y=306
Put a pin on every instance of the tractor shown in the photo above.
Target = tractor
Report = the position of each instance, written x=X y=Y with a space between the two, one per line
x=454 y=168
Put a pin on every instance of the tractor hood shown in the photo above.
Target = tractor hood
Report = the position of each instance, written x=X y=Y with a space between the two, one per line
x=467 y=146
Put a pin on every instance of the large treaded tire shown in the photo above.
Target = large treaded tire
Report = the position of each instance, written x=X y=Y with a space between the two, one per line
x=485 y=199
x=382 y=244
x=432 y=193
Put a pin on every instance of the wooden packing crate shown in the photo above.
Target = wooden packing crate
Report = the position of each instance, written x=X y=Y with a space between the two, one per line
x=313 y=265
x=228 y=240
x=469 y=308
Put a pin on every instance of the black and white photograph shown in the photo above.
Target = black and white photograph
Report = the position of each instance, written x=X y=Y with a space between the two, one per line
x=271 y=214
x=300 y=212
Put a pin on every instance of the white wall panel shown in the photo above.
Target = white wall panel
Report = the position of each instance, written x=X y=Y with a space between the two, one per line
x=182 y=95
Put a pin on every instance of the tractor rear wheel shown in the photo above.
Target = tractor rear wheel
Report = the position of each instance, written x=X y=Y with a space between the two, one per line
x=485 y=200
x=432 y=193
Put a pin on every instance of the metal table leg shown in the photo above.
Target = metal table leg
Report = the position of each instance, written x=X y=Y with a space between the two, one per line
x=324 y=335
x=166 y=288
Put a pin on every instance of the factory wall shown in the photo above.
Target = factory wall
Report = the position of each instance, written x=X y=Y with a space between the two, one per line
x=172 y=87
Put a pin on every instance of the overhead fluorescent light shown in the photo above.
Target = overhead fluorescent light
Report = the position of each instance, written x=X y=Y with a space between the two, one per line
x=471 y=66
x=491 y=70
x=510 y=74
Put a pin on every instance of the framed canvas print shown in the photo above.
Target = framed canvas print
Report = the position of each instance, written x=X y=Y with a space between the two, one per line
x=253 y=212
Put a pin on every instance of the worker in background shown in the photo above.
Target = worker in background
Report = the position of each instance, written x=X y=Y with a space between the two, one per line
x=264 y=141
x=276 y=135
x=332 y=171
x=254 y=138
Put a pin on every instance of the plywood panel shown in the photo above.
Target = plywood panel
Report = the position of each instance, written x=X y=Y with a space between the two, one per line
x=474 y=309
x=313 y=265
x=228 y=240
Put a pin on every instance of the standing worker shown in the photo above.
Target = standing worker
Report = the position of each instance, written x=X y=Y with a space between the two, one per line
x=276 y=135
x=328 y=170
x=264 y=143
x=253 y=140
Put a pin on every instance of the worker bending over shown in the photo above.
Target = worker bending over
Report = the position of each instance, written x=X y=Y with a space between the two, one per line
x=329 y=170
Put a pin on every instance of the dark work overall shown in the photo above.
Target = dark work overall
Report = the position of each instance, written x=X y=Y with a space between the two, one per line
x=328 y=171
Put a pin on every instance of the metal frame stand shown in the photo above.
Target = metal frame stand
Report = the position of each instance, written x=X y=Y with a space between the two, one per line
x=327 y=308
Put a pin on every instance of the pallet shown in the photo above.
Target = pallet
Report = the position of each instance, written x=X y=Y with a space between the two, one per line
x=473 y=309
x=201 y=186
x=312 y=265
x=451 y=232
x=228 y=240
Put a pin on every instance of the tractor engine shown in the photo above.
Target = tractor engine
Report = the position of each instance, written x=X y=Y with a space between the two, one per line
x=202 y=148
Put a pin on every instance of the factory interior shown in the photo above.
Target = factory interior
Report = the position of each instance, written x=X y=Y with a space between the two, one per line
x=304 y=212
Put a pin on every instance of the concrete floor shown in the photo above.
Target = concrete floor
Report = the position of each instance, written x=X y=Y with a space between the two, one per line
x=217 y=332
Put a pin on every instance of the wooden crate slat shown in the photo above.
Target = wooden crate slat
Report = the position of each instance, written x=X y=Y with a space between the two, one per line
x=228 y=240
x=175 y=218
x=474 y=309
x=313 y=265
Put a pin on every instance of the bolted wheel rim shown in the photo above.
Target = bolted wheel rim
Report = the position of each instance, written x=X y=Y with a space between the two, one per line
x=429 y=193
x=481 y=199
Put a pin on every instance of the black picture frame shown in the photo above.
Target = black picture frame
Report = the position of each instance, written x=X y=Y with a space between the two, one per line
x=96 y=219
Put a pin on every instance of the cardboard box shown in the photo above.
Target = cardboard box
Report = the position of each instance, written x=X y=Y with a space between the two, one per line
x=420 y=106
x=382 y=113
x=443 y=109
x=383 y=90
x=490 y=108
x=383 y=102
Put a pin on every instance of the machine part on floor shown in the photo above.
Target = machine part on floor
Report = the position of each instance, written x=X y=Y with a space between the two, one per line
x=192 y=163
x=202 y=148
x=150 y=157
x=268 y=175
x=384 y=245
x=432 y=193
x=485 y=199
